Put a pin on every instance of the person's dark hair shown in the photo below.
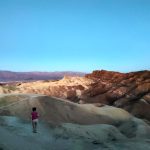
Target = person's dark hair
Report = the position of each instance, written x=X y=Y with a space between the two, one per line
x=34 y=109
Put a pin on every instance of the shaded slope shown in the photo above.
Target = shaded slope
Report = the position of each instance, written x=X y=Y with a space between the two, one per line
x=17 y=134
x=117 y=129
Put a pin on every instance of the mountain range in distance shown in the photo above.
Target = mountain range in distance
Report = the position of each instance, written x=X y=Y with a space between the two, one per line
x=8 y=76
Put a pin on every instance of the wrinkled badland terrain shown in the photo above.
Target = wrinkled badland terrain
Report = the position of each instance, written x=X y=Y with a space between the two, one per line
x=130 y=91
x=83 y=116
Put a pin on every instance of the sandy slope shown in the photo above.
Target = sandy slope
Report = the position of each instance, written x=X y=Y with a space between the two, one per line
x=60 y=126
x=58 y=110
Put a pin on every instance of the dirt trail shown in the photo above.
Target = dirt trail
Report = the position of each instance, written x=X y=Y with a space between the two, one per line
x=17 y=102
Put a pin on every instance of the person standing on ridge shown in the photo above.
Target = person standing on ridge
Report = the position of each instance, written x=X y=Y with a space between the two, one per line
x=34 y=117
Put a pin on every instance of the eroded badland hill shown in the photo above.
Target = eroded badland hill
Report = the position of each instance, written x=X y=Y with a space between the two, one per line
x=130 y=91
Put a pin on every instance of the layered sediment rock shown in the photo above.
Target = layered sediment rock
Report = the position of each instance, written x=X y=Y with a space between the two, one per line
x=130 y=91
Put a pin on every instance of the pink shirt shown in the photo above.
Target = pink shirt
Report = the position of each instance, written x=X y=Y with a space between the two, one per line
x=34 y=115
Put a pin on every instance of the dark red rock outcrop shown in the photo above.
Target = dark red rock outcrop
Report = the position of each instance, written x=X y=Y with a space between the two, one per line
x=130 y=91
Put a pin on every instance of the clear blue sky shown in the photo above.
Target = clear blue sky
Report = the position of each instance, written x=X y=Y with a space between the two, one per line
x=74 y=35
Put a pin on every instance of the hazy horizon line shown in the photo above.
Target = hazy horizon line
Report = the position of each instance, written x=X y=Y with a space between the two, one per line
x=42 y=71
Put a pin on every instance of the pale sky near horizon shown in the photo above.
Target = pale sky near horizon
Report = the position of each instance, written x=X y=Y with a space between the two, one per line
x=74 y=35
